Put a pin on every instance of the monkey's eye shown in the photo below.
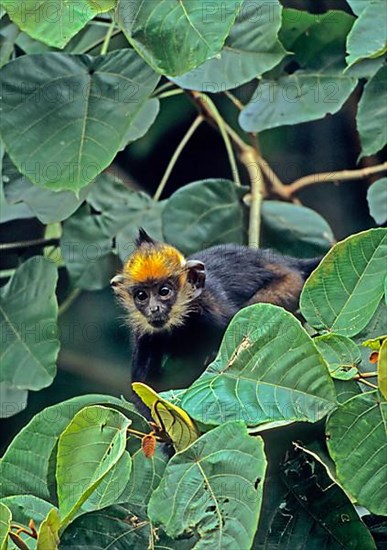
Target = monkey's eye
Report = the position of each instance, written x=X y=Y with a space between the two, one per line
x=141 y=295
x=164 y=291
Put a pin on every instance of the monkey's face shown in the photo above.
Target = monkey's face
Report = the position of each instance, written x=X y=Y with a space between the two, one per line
x=160 y=303
x=155 y=301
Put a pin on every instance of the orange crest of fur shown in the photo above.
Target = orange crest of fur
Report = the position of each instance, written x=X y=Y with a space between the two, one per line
x=154 y=263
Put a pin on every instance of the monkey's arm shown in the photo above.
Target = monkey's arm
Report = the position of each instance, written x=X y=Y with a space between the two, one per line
x=146 y=358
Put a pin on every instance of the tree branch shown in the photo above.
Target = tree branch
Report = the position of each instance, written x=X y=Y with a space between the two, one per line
x=323 y=177
x=248 y=156
x=249 y=159
x=29 y=244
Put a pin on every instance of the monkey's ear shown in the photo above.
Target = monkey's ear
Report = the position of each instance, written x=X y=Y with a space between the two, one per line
x=196 y=276
x=116 y=281
x=143 y=237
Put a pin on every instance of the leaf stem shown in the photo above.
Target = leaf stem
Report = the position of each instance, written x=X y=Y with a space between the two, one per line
x=163 y=87
x=108 y=37
x=191 y=130
x=99 y=42
x=170 y=93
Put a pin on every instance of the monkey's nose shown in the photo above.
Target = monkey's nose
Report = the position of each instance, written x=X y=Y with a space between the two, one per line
x=154 y=309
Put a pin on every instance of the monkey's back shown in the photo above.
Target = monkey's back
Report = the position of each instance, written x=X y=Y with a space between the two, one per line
x=239 y=272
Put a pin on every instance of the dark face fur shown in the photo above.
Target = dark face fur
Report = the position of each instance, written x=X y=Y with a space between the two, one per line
x=155 y=301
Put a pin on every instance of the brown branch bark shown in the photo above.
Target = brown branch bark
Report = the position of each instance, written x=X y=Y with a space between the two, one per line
x=322 y=177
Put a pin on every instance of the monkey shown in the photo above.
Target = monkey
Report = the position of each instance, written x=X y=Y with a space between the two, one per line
x=179 y=306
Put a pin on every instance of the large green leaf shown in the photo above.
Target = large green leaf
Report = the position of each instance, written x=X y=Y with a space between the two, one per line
x=79 y=110
x=343 y=293
x=382 y=370
x=346 y=389
x=268 y=370
x=115 y=528
x=113 y=211
x=341 y=354
x=372 y=113
x=47 y=205
x=143 y=120
x=358 y=6
x=251 y=49
x=54 y=22
x=28 y=312
x=26 y=507
x=8 y=36
x=48 y=536
x=10 y=212
x=374 y=329
x=313 y=512
x=28 y=465
x=367 y=39
x=202 y=214
x=87 y=40
x=89 y=447
x=145 y=477
x=174 y=36
x=213 y=488
x=357 y=442
x=86 y=248
x=300 y=97
x=5 y=525
x=294 y=229
x=318 y=87
x=110 y=527
x=12 y=401
x=377 y=200
x=110 y=489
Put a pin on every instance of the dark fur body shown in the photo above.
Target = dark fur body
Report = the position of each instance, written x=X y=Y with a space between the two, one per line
x=236 y=276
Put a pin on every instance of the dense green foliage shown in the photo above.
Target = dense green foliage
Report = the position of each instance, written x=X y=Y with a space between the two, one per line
x=81 y=82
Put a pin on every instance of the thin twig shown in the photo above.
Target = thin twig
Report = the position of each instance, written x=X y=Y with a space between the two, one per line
x=323 y=177
x=368 y=383
x=108 y=37
x=275 y=183
x=366 y=375
x=222 y=128
x=67 y=303
x=238 y=104
x=191 y=130
x=163 y=87
x=170 y=93
x=28 y=244
x=209 y=112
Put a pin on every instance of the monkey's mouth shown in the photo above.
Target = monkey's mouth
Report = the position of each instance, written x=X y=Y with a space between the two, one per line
x=158 y=322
